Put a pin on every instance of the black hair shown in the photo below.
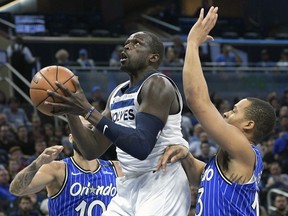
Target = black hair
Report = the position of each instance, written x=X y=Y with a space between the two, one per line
x=264 y=117
x=156 y=46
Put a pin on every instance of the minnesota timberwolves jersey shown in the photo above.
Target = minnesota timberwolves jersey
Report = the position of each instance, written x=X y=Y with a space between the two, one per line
x=84 y=193
x=219 y=196
x=124 y=106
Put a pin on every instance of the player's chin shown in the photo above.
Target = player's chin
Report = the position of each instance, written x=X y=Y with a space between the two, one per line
x=124 y=67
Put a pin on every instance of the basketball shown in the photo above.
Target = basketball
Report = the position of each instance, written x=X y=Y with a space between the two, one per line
x=44 y=80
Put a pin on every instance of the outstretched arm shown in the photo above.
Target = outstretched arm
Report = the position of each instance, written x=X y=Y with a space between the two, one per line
x=198 y=99
x=37 y=175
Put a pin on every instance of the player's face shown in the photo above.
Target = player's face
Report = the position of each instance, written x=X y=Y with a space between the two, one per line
x=236 y=116
x=136 y=53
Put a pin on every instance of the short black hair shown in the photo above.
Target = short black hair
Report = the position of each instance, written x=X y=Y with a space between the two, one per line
x=156 y=46
x=264 y=117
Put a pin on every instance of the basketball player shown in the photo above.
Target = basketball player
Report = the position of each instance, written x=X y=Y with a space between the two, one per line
x=229 y=182
x=75 y=185
x=142 y=117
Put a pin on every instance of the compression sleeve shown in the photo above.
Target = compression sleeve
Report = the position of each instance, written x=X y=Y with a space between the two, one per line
x=137 y=142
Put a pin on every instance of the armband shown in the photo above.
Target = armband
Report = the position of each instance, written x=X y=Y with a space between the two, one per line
x=138 y=142
x=89 y=113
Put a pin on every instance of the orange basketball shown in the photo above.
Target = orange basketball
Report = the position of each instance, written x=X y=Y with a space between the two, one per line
x=44 y=80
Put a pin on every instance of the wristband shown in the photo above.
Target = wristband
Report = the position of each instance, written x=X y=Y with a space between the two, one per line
x=89 y=112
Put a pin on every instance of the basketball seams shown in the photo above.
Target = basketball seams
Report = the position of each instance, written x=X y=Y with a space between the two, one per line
x=49 y=83
x=55 y=90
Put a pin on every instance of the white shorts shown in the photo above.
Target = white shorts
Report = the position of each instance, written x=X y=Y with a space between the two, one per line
x=152 y=194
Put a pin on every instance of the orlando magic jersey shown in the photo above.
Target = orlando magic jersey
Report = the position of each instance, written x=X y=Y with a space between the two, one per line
x=219 y=196
x=84 y=193
x=124 y=106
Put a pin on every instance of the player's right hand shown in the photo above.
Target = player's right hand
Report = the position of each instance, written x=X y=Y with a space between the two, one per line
x=172 y=154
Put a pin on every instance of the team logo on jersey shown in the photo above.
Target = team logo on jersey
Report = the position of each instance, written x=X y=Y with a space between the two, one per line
x=77 y=189
x=123 y=115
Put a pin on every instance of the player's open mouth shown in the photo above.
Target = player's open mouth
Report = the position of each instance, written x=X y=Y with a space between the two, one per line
x=123 y=57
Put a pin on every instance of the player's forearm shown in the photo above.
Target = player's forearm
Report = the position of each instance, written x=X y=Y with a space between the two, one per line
x=193 y=169
x=92 y=144
x=20 y=183
x=195 y=86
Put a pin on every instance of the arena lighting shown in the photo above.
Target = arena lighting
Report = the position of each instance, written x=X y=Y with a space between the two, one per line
x=9 y=5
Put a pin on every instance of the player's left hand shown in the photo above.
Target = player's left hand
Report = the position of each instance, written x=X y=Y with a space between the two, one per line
x=172 y=154
x=74 y=103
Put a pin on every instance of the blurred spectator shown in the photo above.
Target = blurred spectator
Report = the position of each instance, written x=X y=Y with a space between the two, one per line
x=2 y=212
x=205 y=154
x=267 y=157
x=116 y=56
x=44 y=208
x=15 y=114
x=284 y=99
x=37 y=130
x=179 y=48
x=7 y=138
x=48 y=131
x=277 y=179
x=6 y=197
x=281 y=205
x=97 y=99
x=195 y=145
x=13 y=168
x=62 y=58
x=4 y=158
x=24 y=141
x=59 y=134
x=222 y=105
x=272 y=98
x=228 y=57
x=40 y=146
x=25 y=207
x=265 y=60
x=3 y=119
x=283 y=61
x=15 y=153
x=171 y=58
x=204 y=57
x=280 y=149
x=3 y=101
x=23 y=61
x=194 y=140
x=283 y=111
x=84 y=61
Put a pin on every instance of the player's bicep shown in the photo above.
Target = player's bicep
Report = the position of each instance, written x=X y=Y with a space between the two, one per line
x=156 y=97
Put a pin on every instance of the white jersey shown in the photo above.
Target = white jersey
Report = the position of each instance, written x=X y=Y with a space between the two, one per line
x=144 y=191
x=124 y=106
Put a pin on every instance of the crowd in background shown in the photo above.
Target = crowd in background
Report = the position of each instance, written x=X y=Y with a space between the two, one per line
x=24 y=135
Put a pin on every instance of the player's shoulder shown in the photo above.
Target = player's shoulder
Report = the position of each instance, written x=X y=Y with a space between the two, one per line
x=159 y=80
x=54 y=167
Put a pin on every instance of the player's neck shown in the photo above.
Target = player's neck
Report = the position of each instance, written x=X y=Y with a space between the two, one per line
x=140 y=75
x=91 y=165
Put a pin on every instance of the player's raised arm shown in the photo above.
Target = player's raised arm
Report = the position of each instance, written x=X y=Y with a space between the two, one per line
x=38 y=174
x=197 y=95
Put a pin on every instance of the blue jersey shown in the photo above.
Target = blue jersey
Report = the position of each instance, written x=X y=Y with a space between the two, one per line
x=83 y=192
x=219 y=196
